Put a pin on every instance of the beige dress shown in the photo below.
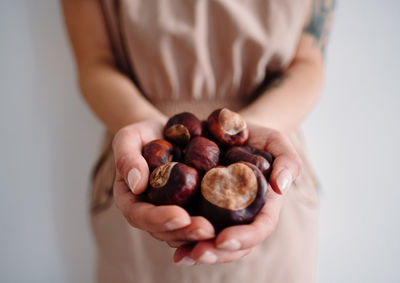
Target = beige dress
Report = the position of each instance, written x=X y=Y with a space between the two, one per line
x=199 y=55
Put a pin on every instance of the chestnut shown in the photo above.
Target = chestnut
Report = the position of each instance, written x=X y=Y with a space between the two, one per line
x=260 y=158
x=228 y=127
x=206 y=132
x=202 y=154
x=172 y=183
x=178 y=154
x=268 y=156
x=157 y=152
x=232 y=195
x=181 y=127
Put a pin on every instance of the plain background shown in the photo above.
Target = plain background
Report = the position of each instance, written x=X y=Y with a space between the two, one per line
x=49 y=140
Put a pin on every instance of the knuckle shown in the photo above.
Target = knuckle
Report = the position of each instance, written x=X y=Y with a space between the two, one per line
x=121 y=163
x=156 y=236
x=127 y=132
x=276 y=135
x=118 y=137
x=131 y=220
x=298 y=163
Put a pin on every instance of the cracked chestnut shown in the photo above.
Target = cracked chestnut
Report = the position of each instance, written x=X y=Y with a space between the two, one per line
x=173 y=183
x=232 y=195
x=228 y=127
x=157 y=152
x=202 y=154
x=182 y=127
x=262 y=159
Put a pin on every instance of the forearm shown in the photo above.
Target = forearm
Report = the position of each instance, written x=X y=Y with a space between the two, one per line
x=110 y=94
x=285 y=104
x=114 y=98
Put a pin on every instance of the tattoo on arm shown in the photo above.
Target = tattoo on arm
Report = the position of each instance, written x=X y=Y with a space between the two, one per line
x=320 y=21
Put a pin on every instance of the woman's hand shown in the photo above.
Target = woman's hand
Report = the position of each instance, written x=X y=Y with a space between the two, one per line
x=234 y=242
x=168 y=223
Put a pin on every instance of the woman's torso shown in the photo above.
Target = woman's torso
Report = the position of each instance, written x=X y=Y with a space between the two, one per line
x=199 y=55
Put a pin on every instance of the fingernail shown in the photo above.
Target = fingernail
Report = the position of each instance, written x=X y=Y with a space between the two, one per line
x=176 y=224
x=231 y=245
x=200 y=234
x=186 y=261
x=208 y=258
x=133 y=179
x=284 y=180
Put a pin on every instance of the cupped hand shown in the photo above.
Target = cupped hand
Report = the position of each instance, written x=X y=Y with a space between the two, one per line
x=235 y=242
x=168 y=223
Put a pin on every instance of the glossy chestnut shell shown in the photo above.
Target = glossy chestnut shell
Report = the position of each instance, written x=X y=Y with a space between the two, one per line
x=262 y=159
x=202 y=154
x=232 y=195
x=182 y=127
x=228 y=127
x=173 y=183
x=157 y=152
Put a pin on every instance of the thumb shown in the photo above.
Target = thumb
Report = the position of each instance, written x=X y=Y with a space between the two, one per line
x=129 y=162
x=287 y=164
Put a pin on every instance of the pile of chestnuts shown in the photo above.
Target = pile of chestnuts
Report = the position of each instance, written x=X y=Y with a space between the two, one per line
x=207 y=168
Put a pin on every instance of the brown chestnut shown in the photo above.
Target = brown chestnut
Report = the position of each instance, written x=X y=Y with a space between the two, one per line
x=181 y=127
x=232 y=195
x=202 y=154
x=172 y=183
x=157 y=152
x=228 y=127
x=260 y=158
x=178 y=154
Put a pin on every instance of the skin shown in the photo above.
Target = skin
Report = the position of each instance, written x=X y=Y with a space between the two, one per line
x=299 y=87
x=118 y=103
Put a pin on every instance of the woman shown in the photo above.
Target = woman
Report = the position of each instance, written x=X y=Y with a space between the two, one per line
x=141 y=61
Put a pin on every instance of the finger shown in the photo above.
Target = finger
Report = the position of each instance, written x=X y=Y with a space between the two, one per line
x=146 y=216
x=200 y=229
x=248 y=236
x=177 y=244
x=182 y=255
x=287 y=163
x=206 y=253
x=127 y=148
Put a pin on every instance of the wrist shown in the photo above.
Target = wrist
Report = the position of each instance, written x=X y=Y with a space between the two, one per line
x=162 y=119
x=253 y=119
x=266 y=123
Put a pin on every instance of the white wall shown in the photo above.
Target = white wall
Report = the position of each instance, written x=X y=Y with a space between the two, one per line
x=49 y=141
x=354 y=137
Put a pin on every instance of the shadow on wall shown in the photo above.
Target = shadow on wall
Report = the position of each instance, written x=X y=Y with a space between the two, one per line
x=74 y=134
